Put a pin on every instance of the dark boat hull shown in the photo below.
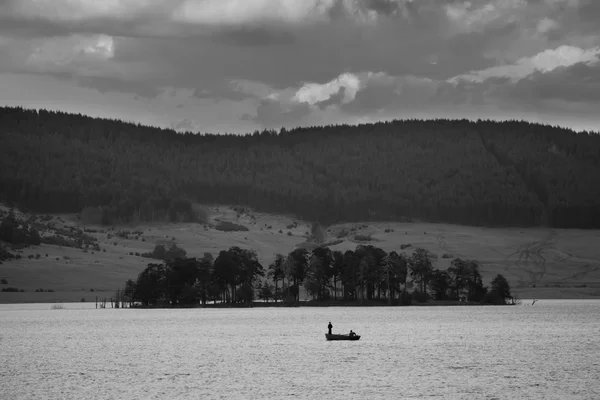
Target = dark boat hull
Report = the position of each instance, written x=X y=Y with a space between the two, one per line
x=334 y=336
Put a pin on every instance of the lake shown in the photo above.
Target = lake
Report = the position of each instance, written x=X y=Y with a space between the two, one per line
x=547 y=351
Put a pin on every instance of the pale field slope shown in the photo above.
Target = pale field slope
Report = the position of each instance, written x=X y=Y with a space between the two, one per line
x=539 y=263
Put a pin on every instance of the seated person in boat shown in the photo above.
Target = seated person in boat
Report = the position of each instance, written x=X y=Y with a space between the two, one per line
x=352 y=333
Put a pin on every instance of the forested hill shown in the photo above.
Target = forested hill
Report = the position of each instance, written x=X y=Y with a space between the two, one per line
x=475 y=173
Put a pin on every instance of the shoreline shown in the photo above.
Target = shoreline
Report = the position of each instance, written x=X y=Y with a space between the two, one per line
x=74 y=296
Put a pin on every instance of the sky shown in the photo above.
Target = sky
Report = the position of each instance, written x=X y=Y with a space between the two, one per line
x=235 y=66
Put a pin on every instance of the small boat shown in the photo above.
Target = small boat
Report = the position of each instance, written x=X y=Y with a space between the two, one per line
x=334 y=336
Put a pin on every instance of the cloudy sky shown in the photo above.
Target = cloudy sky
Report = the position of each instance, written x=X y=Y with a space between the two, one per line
x=240 y=65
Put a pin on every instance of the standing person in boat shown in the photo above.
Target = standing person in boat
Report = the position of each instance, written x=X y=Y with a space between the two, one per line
x=329 y=327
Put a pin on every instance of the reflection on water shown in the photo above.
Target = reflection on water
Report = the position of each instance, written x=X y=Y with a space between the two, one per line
x=548 y=351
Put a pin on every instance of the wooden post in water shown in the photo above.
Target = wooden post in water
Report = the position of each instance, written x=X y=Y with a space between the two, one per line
x=96 y=302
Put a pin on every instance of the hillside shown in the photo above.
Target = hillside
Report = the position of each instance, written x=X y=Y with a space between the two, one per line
x=538 y=262
x=441 y=171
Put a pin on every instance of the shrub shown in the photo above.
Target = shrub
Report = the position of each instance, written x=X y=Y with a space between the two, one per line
x=11 y=289
x=364 y=238
x=332 y=243
x=3 y=281
x=231 y=227
x=200 y=213
x=493 y=298
x=420 y=297
x=405 y=246
x=57 y=240
x=405 y=299
x=162 y=252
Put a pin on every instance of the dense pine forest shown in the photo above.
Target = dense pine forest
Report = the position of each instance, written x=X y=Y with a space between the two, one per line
x=455 y=171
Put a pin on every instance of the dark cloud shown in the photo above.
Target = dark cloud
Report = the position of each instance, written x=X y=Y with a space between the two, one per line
x=579 y=83
x=589 y=16
x=254 y=36
x=385 y=7
x=271 y=113
x=415 y=46
x=106 y=85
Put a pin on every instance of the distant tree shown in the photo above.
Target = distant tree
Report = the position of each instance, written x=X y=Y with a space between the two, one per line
x=277 y=273
x=421 y=267
x=237 y=271
x=150 y=285
x=440 y=284
x=159 y=252
x=174 y=252
x=475 y=289
x=265 y=291
x=500 y=287
x=129 y=293
x=458 y=273
x=204 y=278
x=319 y=273
x=296 y=268
x=180 y=277
x=337 y=267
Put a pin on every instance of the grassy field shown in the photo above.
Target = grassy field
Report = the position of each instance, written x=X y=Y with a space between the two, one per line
x=539 y=263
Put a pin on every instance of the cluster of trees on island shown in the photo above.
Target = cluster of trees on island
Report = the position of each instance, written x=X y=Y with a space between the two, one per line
x=366 y=274
x=456 y=171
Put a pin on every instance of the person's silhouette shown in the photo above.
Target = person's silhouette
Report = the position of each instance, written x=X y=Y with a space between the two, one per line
x=330 y=327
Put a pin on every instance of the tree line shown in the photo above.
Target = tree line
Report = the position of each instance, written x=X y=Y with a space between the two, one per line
x=366 y=274
x=456 y=171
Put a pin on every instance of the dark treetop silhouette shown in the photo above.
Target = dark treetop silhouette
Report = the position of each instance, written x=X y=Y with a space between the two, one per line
x=365 y=274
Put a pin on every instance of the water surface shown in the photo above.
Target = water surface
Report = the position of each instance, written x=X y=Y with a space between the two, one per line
x=548 y=351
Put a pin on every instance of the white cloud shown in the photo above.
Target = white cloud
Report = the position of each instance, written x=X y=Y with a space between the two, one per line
x=544 y=61
x=476 y=15
x=546 y=25
x=313 y=93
